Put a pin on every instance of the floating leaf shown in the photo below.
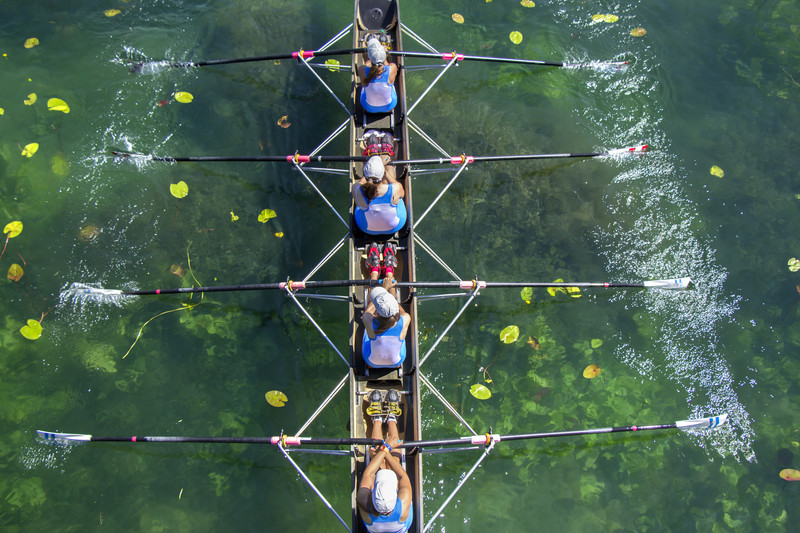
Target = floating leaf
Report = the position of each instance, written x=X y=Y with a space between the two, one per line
x=31 y=99
x=591 y=371
x=283 y=122
x=184 y=97
x=88 y=232
x=13 y=229
x=32 y=331
x=533 y=342
x=605 y=18
x=509 y=334
x=458 y=18
x=332 y=64
x=234 y=217
x=515 y=36
x=596 y=343
x=111 y=12
x=528 y=3
x=2 y=111
x=15 y=272
x=716 y=171
x=30 y=43
x=638 y=32
x=526 y=294
x=178 y=270
x=30 y=149
x=794 y=264
x=790 y=474
x=57 y=104
x=280 y=235
x=480 y=391
x=179 y=190
x=574 y=292
x=554 y=290
x=276 y=398
x=265 y=215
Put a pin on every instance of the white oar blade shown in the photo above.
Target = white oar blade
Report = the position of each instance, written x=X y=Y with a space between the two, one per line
x=81 y=293
x=702 y=423
x=63 y=438
x=630 y=150
x=668 y=284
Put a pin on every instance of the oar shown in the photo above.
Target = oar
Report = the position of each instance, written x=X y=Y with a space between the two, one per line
x=206 y=159
x=449 y=56
x=83 y=292
x=684 y=425
x=305 y=54
x=464 y=159
x=457 y=160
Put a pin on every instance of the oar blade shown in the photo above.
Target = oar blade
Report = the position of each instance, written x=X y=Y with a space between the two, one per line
x=702 y=423
x=668 y=284
x=81 y=293
x=63 y=438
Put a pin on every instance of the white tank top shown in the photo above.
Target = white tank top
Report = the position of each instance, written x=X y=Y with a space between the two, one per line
x=379 y=91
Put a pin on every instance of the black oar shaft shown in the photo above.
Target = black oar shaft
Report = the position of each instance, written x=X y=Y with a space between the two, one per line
x=448 y=56
x=307 y=54
x=216 y=440
x=457 y=160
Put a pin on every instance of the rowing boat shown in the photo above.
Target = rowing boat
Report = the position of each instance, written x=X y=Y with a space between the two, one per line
x=382 y=17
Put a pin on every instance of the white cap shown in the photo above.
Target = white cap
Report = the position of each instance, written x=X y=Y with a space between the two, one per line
x=384 y=492
x=375 y=51
x=385 y=304
x=374 y=167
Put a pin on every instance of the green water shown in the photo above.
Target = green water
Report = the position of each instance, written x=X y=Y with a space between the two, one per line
x=709 y=84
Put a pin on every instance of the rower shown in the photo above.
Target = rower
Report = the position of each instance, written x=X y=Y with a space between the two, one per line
x=377 y=75
x=384 y=493
x=378 y=196
x=385 y=322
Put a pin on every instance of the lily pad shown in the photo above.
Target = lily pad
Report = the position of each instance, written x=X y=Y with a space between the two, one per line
x=15 y=272
x=276 y=398
x=515 y=36
x=457 y=18
x=265 y=215
x=790 y=474
x=596 y=343
x=279 y=234
x=57 y=104
x=528 y=3
x=179 y=190
x=234 y=217
x=30 y=100
x=30 y=43
x=283 y=122
x=605 y=18
x=509 y=334
x=30 y=149
x=638 y=32
x=32 y=330
x=794 y=264
x=716 y=171
x=332 y=64
x=13 y=229
x=111 y=12
x=591 y=371
x=526 y=294
x=480 y=391
x=184 y=97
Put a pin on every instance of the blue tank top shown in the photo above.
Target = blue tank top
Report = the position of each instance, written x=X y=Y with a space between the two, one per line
x=381 y=217
x=380 y=92
x=391 y=523
x=386 y=350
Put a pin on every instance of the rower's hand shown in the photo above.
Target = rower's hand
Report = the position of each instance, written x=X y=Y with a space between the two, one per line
x=392 y=441
x=388 y=283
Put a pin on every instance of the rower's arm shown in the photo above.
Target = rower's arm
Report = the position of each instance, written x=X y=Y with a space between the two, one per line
x=404 y=483
x=366 y=319
x=368 y=479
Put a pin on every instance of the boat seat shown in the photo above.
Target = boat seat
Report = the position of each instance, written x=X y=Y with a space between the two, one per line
x=377 y=121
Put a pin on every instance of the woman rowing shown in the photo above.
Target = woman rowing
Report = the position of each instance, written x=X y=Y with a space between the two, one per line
x=378 y=196
x=378 y=94
x=385 y=321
